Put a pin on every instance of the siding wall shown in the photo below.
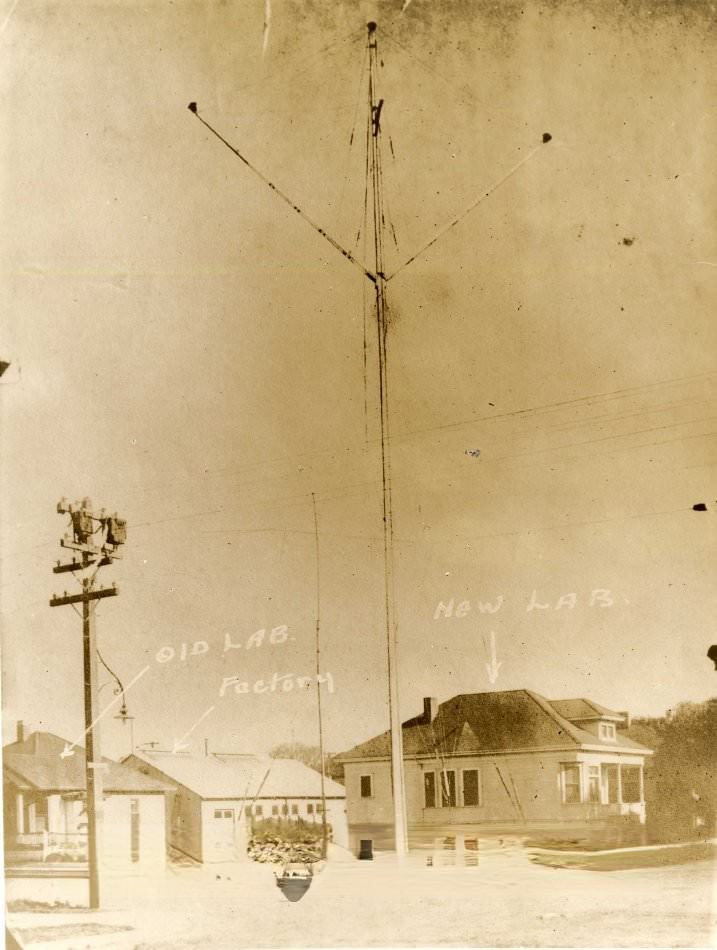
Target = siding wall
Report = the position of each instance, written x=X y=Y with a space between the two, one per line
x=532 y=780
x=183 y=819
x=117 y=837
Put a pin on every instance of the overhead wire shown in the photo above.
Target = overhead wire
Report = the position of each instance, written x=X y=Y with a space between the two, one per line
x=600 y=398
x=487 y=459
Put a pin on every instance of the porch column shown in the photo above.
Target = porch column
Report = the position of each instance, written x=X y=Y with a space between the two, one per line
x=54 y=813
x=642 y=785
x=619 y=784
x=20 y=812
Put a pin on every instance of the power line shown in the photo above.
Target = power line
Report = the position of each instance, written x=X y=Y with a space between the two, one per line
x=399 y=437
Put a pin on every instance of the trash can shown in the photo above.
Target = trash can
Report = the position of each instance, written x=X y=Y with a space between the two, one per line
x=366 y=850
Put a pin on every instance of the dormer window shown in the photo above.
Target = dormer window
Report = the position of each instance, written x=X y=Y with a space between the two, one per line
x=607 y=731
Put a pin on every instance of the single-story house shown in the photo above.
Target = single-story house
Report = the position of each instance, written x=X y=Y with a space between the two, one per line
x=45 y=818
x=217 y=796
x=500 y=763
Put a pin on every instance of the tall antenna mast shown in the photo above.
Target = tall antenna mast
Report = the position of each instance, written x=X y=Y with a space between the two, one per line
x=378 y=277
x=374 y=146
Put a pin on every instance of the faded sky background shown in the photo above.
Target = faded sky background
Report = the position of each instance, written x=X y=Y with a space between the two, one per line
x=186 y=351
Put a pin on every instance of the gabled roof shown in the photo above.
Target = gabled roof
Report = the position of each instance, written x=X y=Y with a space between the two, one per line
x=489 y=722
x=582 y=710
x=36 y=763
x=220 y=776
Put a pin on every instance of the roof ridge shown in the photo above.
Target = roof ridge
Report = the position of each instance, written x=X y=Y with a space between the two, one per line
x=545 y=705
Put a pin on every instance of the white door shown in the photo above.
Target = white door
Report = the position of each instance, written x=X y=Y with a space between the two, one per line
x=220 y=828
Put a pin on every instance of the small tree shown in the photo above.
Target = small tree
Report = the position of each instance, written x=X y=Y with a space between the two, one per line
x=310 y=755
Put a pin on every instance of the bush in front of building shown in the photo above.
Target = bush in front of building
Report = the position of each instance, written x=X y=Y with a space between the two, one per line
x=276 y=840
x=681 y=777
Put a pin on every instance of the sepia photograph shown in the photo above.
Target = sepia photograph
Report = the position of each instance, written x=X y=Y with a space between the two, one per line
x=357 y=489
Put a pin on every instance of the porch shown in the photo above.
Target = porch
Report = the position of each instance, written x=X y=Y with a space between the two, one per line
x=35 y=847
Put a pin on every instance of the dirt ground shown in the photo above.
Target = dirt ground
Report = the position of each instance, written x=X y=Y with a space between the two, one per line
x=507 y=902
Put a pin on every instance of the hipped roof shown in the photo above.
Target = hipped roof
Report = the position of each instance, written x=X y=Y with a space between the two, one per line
x=506 y=721
x=36 y=763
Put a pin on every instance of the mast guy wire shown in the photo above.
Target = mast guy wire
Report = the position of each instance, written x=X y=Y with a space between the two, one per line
x=332 y=241
x=546 y=138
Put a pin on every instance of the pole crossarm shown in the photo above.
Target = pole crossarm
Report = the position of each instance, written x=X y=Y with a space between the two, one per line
x=79 y=566
x=294 y=207
x=84 y=597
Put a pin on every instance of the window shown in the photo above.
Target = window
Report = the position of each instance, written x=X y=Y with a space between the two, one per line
x=471 y=789
x=570 y=782
x=285 y=809
x=429 y=789
x=310 y=808
x=294 y=809
x=631 y=784
x=319 y=808
x=366 y=786
x=248 y=810
x=609 y=784
x=448 y=788
x=275 y=810
x=258 y=811
x=223 y=812
x=593 y=783
x=607 y=730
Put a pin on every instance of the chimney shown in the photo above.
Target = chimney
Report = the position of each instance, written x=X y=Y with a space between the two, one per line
x=20 y=731
x=430 y=709
x=628 y=720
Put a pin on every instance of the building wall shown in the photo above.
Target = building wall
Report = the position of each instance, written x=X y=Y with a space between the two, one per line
x=183 y=817
x=56 y=826
x=147 y=850
x=184 y=821
x=224 y=830
x=517 y=791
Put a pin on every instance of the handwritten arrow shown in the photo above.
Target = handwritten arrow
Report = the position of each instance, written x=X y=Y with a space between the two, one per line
x=494 y=666
x=180 y=744
x=70 y=746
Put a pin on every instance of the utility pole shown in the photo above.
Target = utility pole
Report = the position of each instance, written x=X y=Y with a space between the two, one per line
x=324 y=828
x=112 y=532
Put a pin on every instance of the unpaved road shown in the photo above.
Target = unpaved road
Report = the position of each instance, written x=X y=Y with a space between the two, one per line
x=500 y=904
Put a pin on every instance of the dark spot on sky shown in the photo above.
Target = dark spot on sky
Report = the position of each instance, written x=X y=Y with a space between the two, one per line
x=491 y=404
x=547 y=137
x=628 y=242
x=700 y=506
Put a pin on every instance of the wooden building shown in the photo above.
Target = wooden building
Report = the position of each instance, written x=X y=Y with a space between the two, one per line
x=502 y=763
x=45 y=820
x=216 y=797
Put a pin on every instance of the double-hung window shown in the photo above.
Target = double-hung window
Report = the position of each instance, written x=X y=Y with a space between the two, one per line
x=429 y=789
x=570 y=782
x=448 y=788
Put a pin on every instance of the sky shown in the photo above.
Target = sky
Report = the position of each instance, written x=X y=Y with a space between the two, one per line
x=187 y=351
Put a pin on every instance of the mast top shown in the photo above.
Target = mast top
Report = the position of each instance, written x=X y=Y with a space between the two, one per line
x=372 y=26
